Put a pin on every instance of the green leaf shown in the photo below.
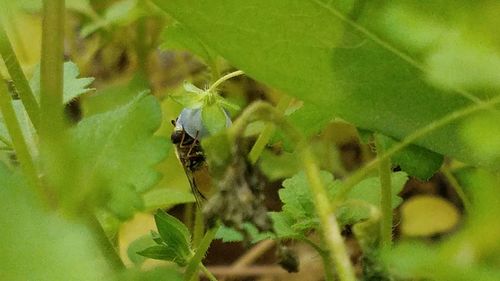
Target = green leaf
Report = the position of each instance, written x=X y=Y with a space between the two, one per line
x=135 y=247
x=213 y=117
x=175 y=235
x=73 y=86
x=162 y=253
x=298 y=214
x=415 y=160
x=177 y=37
x=58 y=248
x=368 y=189
x=188 y=100
x=228 y=234
x=307 y=50
x=117 y=152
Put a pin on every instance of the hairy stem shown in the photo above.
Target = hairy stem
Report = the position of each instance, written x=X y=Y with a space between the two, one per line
x=16 y=73
x=384 y=172
x=194 y=263
x=328 y=222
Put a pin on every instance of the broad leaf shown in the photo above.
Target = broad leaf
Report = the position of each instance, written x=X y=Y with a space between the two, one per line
x=58 y=249
x=176 y=240
x=118 y=152
x=307 y=49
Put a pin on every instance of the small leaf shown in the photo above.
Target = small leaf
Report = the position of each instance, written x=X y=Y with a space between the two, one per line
x=192 y=88
x=162 y=253
x=228 y=234
x=214 y=118
x=188 y=100
x=73 y=86
x=134 y=247
x=174 y=234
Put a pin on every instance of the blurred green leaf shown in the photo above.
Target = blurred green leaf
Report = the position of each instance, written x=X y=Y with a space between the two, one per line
x=41 y=245
x=177 y=37
x=114 y=95
x=279 y=166
x=136 y=246
x=118 y=151
x=166 y=197
x=156 y=274
x=415 y=160
x=213 y=117
x=304 y=49
x=73 y=86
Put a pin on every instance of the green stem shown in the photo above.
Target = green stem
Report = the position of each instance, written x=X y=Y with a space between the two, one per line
x=207 y=272
x=411 y=138
x=108 y=250
x=384 y=173
x=194 y=263
x=458 y=189
x=51 y=70
x=224 y=78
x=267 y=133
x=328 y=222
x=18 y=141
x=199 y=226
x=17 y=75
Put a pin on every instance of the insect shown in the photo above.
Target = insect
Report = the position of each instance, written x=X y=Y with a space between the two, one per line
x=186 y=138
x=188 y=131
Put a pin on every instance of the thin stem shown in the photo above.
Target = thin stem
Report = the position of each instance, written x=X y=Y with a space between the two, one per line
x=384 y=172
x=224 y=78
x=17 y=75
x=199 y=226
x=188 y=216
x=411 y=138
x=194 y=263
x=207 y=273
x=267 y=133
x=18 y=141
x=386 y=45
x=457 y=187
x=328 y=222
x=105 y=245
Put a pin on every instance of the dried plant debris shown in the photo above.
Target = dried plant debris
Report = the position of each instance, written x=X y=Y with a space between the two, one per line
x=240 y=196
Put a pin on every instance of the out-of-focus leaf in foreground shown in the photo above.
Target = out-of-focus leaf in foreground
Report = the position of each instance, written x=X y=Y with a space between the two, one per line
x=345 y=68
x=118 y=152
x=37 y=245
